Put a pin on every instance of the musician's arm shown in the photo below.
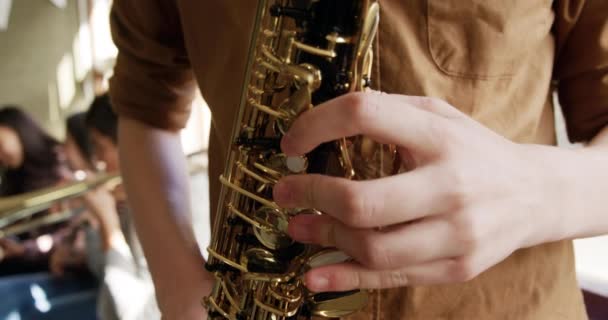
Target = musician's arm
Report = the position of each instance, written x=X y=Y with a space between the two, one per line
x=583 y=94
x=589 y=171
x=156 y=180
x=152 y=90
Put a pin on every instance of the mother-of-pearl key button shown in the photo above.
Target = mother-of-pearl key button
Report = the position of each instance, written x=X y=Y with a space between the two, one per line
x=296 y=164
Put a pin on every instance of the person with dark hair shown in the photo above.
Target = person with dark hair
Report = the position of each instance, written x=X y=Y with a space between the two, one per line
x=30 y=156
x=101 y=118
x=70 y=253
x=34 y=160
x=102 y=123
x=77 y=145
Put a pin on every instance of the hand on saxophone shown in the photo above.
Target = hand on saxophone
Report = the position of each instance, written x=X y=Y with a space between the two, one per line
x=469 y=199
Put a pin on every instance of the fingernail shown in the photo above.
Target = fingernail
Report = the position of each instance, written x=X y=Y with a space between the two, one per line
x=300 y=230
x=317 y=283
x=281 y=193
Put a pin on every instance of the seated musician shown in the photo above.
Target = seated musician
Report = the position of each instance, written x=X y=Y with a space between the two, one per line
x=70 y=254
x=35 y=160
x=32 y=160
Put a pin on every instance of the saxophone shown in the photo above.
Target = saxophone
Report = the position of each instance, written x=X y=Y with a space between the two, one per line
x=302 y=53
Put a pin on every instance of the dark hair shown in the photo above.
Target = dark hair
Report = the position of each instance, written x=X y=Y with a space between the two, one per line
x=102 y=118
x=77 y=129
x=41 y=163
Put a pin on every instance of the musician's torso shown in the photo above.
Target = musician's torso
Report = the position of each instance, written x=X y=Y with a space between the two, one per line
x=493 y=60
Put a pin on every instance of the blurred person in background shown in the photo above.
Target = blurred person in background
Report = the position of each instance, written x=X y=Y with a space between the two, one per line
x=34 y=160
x=70 y=254
x=126 y=292
x=77 y=145
x=30 y=156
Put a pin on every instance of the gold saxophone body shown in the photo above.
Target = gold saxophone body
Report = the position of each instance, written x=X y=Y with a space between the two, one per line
x=302 y=53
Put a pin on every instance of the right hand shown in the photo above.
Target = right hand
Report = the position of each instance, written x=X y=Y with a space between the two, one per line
x=103 y=206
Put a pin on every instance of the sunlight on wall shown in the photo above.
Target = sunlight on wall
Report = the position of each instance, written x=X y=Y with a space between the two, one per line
x=104 y=48
x=5 y=13
x=61 y=4
x=66 y=84
x=72 y=87
x=54 y=114
x=83 y=53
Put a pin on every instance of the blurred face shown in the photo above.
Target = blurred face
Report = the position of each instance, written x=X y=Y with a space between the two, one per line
x=75 y=159
x=11 y=149
x=105 y=151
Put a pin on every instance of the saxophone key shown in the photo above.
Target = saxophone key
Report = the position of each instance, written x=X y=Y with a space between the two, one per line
x=274 y=235
x=259 y=143
x=337 y=304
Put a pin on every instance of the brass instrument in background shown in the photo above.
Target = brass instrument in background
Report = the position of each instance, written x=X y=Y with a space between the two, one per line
x=302 y=53
x=16 y=211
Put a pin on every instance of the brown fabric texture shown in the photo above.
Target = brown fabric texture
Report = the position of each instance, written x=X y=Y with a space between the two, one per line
x=498 y=61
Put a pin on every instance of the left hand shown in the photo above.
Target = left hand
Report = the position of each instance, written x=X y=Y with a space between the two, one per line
x=470 y=199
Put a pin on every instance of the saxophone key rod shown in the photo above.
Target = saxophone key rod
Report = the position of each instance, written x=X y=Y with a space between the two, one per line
x=302 y=53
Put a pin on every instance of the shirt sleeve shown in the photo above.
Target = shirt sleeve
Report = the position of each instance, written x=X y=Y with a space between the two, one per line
x=152 y=80
x=132 y=296
x=581 y=70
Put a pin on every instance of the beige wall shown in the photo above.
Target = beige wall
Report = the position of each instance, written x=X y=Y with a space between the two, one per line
x=39 y=37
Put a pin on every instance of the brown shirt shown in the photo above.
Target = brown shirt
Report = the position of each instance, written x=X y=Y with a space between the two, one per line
x=498 y=61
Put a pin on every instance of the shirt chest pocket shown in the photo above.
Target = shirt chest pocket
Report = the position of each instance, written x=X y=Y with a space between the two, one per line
x=485 y=39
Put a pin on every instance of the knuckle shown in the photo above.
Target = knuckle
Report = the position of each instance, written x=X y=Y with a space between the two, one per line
x=436 y=101
x=462 y=270
x=468 y=232
x=346 y=280
x=327 y=235
x=431 y=103
x=457 y=194
x=363 y=108
x=375 y=255
x=314 y=185
x=440 y=134
x=394 y=278
x=440 y=106
x=355 y=206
